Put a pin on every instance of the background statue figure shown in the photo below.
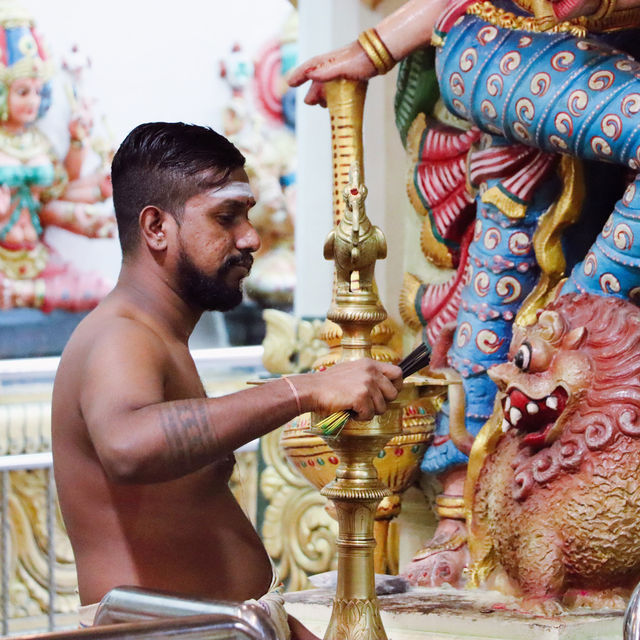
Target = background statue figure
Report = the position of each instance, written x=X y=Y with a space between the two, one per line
x=260 y=120
x=37 y=190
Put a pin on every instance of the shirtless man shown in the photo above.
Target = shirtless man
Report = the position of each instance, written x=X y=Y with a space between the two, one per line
x=142 y=458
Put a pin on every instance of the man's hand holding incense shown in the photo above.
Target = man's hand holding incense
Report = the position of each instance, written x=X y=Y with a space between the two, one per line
x=363 y=386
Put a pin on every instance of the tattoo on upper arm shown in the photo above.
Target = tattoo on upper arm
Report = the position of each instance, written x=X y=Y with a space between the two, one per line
x=188 y=433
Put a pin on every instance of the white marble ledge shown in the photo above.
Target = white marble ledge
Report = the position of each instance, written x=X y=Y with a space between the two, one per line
x=21 y=369
x=451 y=614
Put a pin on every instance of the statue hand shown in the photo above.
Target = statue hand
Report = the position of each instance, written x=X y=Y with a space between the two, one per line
x=103 y=227
x=350 y=62
x=94 y=225
x=81 y=124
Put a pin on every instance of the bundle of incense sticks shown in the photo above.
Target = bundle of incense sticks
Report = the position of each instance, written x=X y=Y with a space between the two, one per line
x=332 y=425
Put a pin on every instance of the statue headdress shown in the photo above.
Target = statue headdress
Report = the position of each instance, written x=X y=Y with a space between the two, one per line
x=22 y=53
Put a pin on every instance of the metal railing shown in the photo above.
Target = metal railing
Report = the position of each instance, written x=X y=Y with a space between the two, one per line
x=128 y=604
x=29 y=369
x=207 y=627
x=131 y=612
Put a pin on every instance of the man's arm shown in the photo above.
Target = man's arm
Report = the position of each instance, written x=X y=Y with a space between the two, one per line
x=140 y=437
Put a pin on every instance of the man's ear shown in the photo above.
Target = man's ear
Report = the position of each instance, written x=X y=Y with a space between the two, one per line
x=154 y=227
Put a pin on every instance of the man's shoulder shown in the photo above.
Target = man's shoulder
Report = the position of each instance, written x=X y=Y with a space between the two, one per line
x=109 y=328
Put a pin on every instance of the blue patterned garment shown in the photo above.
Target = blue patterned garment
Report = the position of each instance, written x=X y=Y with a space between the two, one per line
x=560 y=94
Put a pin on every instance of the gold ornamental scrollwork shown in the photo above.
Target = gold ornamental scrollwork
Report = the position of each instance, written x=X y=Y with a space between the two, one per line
x=488 y=12
x=244 y=483
x=547 y=239
x=28 y=561
x=298 y=533
x=25 y=427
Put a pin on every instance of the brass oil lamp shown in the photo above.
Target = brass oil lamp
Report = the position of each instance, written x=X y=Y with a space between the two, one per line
x=354 y=245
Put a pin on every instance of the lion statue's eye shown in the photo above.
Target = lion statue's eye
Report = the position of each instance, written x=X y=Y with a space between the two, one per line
x=522 y=359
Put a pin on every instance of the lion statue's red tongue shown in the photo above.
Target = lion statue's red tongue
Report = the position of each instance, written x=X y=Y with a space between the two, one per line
x=530 y=414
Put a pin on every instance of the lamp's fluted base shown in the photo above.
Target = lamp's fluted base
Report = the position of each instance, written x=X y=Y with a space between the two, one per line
x=355 y=620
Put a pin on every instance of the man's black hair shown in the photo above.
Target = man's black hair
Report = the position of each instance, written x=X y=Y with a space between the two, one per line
x=164 y=164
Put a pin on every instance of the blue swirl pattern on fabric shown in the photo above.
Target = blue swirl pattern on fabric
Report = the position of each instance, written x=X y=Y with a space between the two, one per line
x=563 y=95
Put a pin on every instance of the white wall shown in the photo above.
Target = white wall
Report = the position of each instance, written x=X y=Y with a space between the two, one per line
x=158 y=60
x=150 y=61
x=326 y=25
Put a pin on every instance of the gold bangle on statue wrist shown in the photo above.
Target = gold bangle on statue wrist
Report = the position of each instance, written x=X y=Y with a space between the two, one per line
x=450 y=507
x=605 y=9
x=377 y=51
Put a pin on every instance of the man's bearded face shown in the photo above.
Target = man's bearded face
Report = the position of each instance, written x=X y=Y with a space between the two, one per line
x=211 y=292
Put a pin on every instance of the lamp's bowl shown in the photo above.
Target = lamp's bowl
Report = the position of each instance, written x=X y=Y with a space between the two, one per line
x=397 y=463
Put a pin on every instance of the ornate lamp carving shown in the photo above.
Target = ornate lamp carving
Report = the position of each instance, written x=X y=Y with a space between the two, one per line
x=355 y=245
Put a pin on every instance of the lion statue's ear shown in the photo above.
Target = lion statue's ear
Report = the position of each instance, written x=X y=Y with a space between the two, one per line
x=575 y=338
x=551 y=325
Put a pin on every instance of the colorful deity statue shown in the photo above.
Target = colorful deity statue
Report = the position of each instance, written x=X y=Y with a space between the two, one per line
x=38 y=190
x=519 y=104
x=260 y=119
